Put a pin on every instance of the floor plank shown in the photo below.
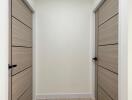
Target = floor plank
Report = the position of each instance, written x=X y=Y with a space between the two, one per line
x=68 y=99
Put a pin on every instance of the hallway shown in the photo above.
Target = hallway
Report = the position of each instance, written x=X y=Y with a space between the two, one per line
x=65 y=50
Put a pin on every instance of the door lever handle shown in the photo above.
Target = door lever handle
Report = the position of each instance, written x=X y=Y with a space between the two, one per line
x=95 y=59
x=12 y=66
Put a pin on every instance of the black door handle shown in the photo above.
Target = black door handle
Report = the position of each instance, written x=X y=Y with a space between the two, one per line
x=95 y=59
x=12 y=66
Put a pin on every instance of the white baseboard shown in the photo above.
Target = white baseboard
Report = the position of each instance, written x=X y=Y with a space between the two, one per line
x=65 y=95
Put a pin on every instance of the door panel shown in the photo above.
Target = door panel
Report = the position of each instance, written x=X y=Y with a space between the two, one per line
x=108 y=81
x=102 y=95
x=107 y=10
x=27 y=95
x=108 y=57
x=22 y=57
x=20 y=51
x=106 y=45
x=22 y=12
x=21 y=34
x=21 y=82
x=96 y=54
x=9 y=85
x=108 y=32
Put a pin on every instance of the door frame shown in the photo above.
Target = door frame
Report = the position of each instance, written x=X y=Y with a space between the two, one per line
x=122 y=50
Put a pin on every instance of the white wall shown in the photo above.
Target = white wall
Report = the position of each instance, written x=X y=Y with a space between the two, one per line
x=129 y=50
x=4 y=49
x=123 y=50
x=62 y=46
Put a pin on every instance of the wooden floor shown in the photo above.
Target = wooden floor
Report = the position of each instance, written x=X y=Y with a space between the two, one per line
x=68 y=99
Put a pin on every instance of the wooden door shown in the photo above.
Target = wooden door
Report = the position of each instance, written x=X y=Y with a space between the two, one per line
x=106 y=18
x=20 y=51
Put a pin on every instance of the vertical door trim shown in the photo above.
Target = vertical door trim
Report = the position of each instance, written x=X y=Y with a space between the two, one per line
x=10 y=52
x=122 y=50
x=96 y=53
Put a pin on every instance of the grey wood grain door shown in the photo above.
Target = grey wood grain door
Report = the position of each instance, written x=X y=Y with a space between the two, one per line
x=106 y=18
x=20 y=51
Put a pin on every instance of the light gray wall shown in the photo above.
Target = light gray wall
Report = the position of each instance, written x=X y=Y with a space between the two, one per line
x=62 y=46
x=4 y=34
